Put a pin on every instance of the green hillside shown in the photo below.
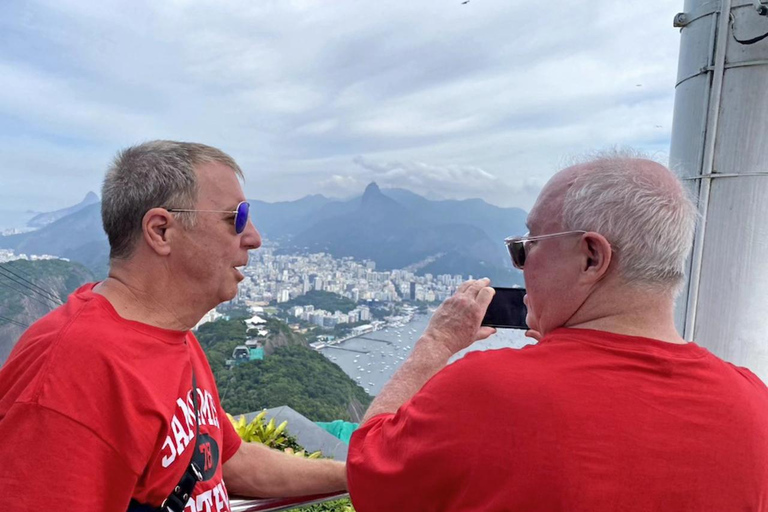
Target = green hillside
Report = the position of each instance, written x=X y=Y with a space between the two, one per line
x=293 y=375
x=18 y=301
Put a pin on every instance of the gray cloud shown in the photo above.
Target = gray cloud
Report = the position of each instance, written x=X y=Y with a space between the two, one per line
x=480 y=99
x=433 y=181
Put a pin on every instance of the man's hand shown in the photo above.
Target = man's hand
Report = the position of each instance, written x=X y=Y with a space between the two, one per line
x=454 y=326
x=456 y=323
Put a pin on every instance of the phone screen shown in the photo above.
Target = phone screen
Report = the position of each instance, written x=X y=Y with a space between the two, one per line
x=507 y=309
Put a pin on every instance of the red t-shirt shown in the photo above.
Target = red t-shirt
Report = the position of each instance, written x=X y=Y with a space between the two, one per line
x=583 y=421
x=96 y=410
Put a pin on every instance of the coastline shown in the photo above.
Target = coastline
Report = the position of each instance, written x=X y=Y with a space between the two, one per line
x=395 y=322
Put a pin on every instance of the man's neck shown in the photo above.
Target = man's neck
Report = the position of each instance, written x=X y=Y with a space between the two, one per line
x=140 y=301
x=647 y=315
x=631 y=327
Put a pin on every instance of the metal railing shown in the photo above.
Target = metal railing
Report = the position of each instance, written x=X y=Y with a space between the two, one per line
x=275 y=504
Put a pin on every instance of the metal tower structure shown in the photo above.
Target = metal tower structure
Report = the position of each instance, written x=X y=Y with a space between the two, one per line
x=720 y=149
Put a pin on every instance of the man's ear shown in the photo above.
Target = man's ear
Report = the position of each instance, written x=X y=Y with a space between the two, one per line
x=596 y=256
x=155 y=227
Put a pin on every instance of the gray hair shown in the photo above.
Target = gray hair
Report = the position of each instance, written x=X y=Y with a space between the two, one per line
x=650 y=227
x=158 y=173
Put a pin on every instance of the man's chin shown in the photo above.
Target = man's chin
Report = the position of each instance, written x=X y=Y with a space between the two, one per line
x=228 y=295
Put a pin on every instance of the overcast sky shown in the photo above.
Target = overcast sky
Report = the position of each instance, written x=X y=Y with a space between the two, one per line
x=485 y=99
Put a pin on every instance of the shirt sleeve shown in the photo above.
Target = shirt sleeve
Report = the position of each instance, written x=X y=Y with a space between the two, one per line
x=51 y=462
x=232 y=441
x=415 y=459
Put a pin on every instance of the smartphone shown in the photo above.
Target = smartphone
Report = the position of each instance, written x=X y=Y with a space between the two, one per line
x=507 y=309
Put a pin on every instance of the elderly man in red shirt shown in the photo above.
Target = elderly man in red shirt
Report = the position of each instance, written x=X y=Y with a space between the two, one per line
x=610 y=410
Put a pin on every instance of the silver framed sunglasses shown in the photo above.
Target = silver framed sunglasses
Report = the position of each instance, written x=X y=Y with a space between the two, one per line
x=518 y=245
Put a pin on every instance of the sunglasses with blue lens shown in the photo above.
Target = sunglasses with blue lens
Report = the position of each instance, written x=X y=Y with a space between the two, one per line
x=241 y=214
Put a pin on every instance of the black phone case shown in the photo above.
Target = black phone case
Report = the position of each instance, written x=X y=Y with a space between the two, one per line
x=507 y=309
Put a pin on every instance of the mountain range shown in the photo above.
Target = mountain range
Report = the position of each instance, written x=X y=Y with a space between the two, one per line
x=395 y=228
x=43 y=219
x=78 y=237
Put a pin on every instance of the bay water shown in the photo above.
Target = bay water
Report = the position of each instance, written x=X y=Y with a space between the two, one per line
x=372 y=359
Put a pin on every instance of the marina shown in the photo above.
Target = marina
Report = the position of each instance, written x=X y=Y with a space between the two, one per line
x=347 y=349
x=371 y=359
x=388 y=342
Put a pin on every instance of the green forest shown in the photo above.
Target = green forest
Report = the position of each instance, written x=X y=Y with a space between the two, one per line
x=292 y=375
x=56 y=278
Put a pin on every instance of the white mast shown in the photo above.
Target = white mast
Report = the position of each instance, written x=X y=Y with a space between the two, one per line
x=720 y=148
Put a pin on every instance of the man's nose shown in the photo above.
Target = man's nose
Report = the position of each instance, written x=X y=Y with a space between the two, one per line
x=251 y=238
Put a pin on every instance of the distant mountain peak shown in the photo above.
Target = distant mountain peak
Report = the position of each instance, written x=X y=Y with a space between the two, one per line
x=374 y=199
x=372 y=190
x=43 y=219
x=90 y=198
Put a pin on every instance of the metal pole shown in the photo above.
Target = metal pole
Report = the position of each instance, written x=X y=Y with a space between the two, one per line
x=721 y=36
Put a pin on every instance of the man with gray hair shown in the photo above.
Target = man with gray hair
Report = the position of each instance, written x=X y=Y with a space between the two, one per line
x=108 y=403
x=610 y=410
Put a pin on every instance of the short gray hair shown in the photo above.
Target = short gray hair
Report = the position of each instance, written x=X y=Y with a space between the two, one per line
x=650 y=227
x=158 y=173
